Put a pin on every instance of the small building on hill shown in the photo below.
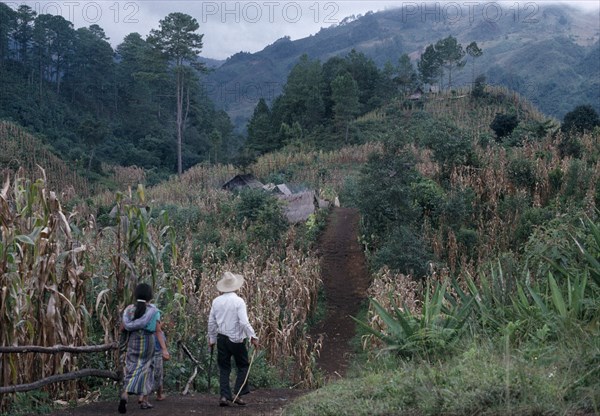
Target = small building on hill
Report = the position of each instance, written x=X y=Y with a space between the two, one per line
x=242 y=181
x=297 y=207
x=281 y=189
x=416 y=95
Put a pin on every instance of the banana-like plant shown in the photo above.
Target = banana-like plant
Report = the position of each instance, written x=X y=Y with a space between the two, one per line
x=433 y=331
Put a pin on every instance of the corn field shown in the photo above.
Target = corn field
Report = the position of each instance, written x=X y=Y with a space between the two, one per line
x=476 y=119
x=492 y=183
x=324 y=171
x=281 y=294
x=65 y=280
x=23 y=151
x=551 y=178
x=44 y=282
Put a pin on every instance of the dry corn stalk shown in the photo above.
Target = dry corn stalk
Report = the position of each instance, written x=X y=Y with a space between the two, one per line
x=43 y=281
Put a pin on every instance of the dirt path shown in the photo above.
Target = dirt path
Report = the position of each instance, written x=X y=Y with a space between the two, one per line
x=345 y=280
x=260 y=402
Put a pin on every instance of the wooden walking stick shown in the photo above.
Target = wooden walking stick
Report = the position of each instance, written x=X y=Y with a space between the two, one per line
x=212 y=350
x=247 y=374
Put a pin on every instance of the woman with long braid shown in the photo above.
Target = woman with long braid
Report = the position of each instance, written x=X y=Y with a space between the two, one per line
x=142 y=321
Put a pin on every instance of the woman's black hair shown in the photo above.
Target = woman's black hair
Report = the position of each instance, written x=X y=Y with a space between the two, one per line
x=143 y=292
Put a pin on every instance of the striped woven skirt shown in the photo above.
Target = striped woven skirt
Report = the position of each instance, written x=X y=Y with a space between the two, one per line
x=139 y=363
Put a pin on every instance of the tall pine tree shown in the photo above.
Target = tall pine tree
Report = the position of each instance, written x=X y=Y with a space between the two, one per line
x=178 y=41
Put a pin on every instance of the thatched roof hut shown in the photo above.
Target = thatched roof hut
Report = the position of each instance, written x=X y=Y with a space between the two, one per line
x=242 y=181
x=298 y=207
x=281 y=189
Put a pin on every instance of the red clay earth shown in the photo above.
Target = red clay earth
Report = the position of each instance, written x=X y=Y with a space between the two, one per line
x=345 y=281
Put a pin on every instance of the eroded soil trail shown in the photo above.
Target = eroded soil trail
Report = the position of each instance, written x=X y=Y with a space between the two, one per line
x=345 y=281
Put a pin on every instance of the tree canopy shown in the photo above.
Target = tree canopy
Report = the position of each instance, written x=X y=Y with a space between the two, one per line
x=178 y=41
x=443 y=57
x=145 y=94
x=581 y=118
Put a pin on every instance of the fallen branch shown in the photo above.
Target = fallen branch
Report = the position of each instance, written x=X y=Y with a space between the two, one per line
x=87 y=372
x=190 y=381
x=195 y=372
x=190 y=356
x=60 y=348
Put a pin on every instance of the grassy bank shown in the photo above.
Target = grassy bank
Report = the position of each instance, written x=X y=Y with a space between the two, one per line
x=484 y=378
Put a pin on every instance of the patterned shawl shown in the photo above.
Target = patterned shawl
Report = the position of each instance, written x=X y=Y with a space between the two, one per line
x=140 y=323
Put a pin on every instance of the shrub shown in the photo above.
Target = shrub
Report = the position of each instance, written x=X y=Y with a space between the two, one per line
x=551 y=241
x=429 y=196
x=458 y=208
x=250 y=203
x=310 y=231
x=555 y=177
x=183 y=218
x=521 y=172
x=479 y=87
x=384 y=196
x=261 y=213
x=270 y=224
x=103 y=216
x=468 y=239
x=570 y=146
x=403 y=250
x=511 y=206
x=350 y=192
x=576 y=180
x=451 y=150
x=485 y=139
x=503 y=125
x=582 y=118
x=531 y=218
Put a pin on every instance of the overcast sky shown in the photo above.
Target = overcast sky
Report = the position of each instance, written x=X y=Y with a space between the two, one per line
x=234 y=26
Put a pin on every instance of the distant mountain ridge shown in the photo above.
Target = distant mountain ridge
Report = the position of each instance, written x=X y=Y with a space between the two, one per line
x=549 y=53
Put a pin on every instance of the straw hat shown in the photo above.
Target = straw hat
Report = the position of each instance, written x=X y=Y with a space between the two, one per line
x=230 y=282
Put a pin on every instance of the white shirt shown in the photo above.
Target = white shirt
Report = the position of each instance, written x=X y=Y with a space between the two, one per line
x=228 y=316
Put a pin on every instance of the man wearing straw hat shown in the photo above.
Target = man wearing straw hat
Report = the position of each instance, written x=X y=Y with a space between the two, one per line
x=228 y=327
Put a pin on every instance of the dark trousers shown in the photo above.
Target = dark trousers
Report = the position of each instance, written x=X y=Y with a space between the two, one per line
x=225 y=350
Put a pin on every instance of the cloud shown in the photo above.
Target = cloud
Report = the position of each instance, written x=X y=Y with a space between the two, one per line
x=234 y=26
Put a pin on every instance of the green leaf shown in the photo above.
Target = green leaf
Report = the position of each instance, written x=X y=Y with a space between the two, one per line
x=538 y=300
x=394 y=326
x=25 y=239
x=557 y=297
x=595 y=265
x=372 y=331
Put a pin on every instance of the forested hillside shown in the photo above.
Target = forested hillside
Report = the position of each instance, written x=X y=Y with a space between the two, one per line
x=546 y=52
x=96 y=107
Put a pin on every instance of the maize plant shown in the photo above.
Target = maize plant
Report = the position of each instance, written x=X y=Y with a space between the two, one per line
x=281 y=293
x=23 y=151
x=42 y=281
x=135 y=246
